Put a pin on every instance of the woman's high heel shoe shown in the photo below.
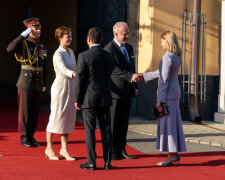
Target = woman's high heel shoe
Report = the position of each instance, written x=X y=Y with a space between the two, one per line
x=52 y=156
x=173 y=159
x=66 y=156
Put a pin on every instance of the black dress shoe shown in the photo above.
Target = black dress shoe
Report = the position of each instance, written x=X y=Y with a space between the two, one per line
x=26 y=143
x=88 y=166
x=34 y=142
x=107 y=166
x=126 y=156
x=116 y=156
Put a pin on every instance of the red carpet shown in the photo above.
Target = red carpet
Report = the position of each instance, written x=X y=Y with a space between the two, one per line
x=20 y=162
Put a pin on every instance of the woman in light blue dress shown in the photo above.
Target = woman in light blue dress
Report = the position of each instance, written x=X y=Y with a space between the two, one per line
x=170 y=136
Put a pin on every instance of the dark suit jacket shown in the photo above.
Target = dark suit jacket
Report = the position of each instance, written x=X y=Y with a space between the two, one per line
x=92 y=81
x=122 y=87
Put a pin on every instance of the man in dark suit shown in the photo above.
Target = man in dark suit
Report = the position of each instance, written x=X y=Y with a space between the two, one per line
x=93 y=96
x=122 y=88
x=31 y=53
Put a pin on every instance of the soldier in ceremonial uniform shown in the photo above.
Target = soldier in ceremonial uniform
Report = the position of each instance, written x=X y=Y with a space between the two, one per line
x=31 y=53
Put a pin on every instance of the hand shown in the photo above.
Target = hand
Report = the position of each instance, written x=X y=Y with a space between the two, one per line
x=77 y=105
x=43 y=89
x=140 y=77
x=158 y=106
x=137 y=77
x=74 y=75
x=136 y=92
x=26 y=32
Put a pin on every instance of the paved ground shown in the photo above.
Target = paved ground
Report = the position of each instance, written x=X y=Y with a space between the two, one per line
x=146 y=144
x=208 y=136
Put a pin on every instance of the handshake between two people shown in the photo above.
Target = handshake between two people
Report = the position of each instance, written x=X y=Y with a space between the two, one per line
x=137 y=77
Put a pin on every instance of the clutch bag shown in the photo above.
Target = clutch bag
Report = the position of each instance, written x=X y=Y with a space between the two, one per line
x=161 y=113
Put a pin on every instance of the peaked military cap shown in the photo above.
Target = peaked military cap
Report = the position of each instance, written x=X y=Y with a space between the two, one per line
x=32 y=22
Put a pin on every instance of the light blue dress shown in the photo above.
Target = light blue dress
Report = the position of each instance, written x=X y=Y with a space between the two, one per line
x=170 y=136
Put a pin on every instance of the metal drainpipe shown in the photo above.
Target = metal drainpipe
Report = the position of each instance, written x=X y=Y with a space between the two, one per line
x=193 y=106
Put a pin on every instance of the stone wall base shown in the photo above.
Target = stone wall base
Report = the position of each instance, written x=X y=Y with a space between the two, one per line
x=219 y=117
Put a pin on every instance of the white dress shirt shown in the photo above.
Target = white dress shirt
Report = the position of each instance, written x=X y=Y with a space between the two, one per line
x=94 y=45
x=123 y=50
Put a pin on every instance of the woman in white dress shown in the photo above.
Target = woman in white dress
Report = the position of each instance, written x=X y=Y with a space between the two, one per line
x=63 y=113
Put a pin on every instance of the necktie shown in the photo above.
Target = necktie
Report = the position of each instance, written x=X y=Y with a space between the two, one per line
x=125 y=54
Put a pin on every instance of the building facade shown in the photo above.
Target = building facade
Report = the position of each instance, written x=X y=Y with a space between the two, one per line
x=147 y=20
x=157 y=16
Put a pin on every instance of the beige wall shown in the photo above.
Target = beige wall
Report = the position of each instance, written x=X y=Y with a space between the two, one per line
x=212 y=8
x=133 y=23
x=167 y=16
x=145 y=44
x=157 y=16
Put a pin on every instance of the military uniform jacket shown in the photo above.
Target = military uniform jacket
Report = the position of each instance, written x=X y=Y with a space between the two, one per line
x=30 y=79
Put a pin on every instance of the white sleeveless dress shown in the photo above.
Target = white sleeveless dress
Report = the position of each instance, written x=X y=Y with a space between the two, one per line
x=63 y=112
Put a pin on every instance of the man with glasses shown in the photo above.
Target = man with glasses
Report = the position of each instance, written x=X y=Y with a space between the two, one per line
x=123 y=88
x=31 y=53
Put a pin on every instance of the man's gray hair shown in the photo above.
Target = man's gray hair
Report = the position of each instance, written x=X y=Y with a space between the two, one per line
x=117 y=26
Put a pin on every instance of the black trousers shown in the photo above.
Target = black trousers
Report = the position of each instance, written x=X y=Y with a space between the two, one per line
x=103 y=116
x=29 y=105
x=120 y=112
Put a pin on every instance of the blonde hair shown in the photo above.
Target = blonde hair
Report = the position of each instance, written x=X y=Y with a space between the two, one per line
x=172 y=42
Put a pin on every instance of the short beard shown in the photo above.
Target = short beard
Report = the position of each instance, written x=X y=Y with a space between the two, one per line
x=124 y=42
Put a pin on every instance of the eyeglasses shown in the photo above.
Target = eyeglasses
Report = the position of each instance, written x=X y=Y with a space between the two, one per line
x=126 y=34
